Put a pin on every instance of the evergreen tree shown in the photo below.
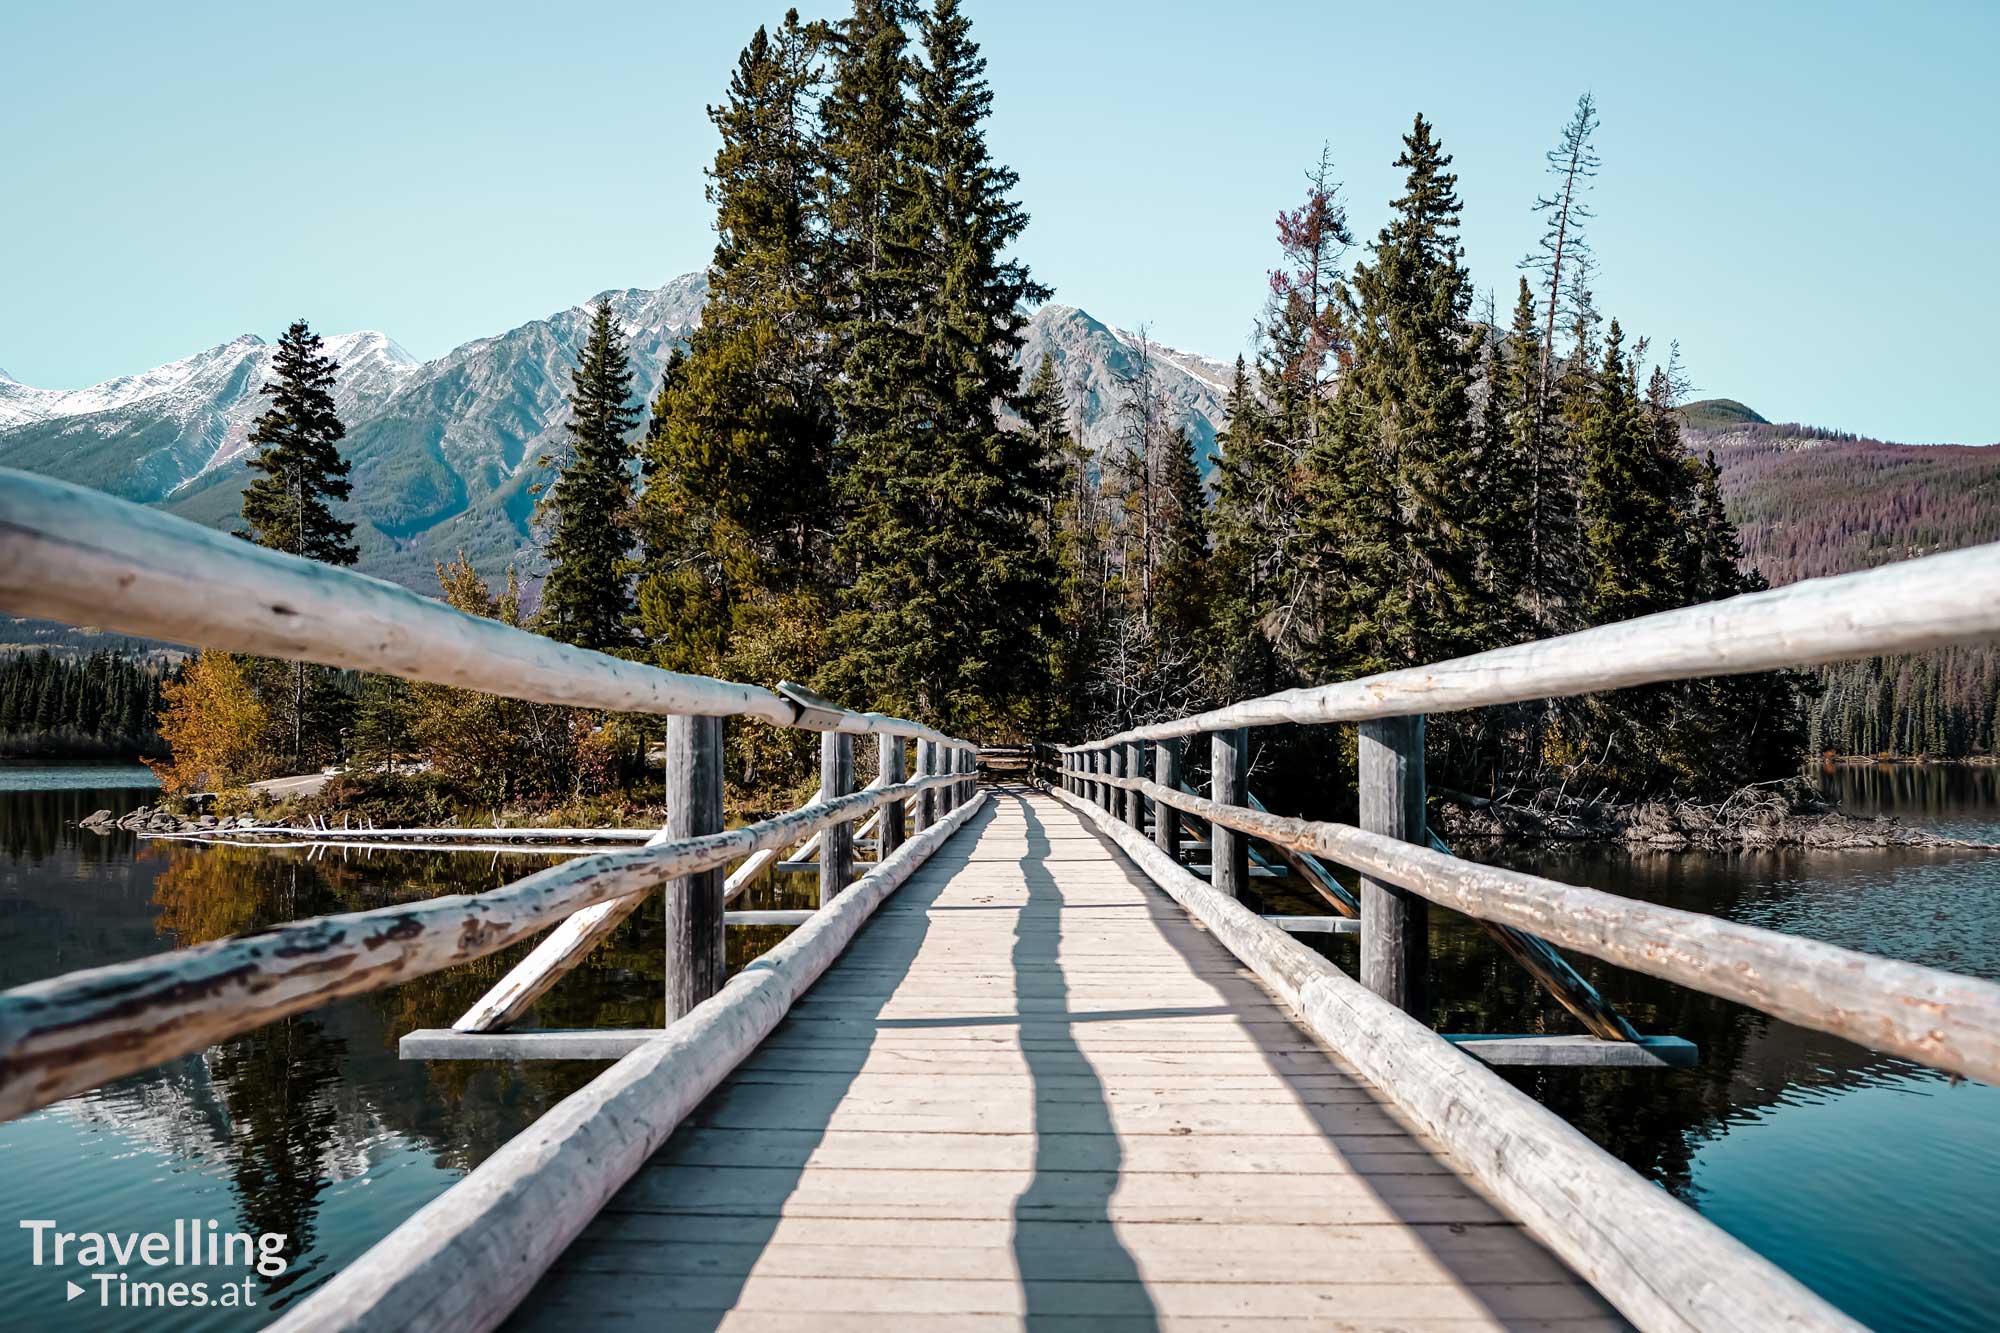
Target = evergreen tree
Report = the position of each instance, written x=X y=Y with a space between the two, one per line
x=950 y=584
x=1396 y=500
x=1563 y=254
x=587 y=598
x=1634 y=492
x=1534 y=539
x=1135 y=476
x=286 y=508
x=736 y=518
x=297 y=441
x=1183 y=584
x=385 y=721
x=1076 y=533
x=864 y=141
x=100 y=705
x=1273 y=431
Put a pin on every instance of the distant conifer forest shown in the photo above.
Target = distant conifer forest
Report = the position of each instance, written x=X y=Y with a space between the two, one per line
x=98 y=706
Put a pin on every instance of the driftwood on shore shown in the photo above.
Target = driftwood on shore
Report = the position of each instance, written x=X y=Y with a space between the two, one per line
x=1787 y=814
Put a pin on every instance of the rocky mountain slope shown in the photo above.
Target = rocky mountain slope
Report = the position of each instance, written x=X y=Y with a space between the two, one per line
x=446 y=451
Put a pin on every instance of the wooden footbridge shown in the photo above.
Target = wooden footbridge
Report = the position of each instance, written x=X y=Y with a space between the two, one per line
x=1034 y=1061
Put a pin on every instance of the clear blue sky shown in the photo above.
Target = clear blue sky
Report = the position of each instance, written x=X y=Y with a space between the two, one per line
x=1803 y=194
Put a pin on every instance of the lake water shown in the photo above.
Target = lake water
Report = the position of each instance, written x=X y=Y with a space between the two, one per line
x=1875 y=1181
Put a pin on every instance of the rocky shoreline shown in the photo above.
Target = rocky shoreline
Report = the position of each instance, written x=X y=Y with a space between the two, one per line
x=1789 y=813
x=151 y=819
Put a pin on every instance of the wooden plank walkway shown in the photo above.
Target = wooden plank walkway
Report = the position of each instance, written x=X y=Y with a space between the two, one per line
x=1034 y=1092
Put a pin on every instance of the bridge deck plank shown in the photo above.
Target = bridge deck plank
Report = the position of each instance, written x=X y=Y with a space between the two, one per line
x=1035 y=1090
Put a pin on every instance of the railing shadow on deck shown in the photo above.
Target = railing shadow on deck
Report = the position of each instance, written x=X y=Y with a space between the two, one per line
x=1062 y=1220
x=681 y=1247
x=1446 y=1219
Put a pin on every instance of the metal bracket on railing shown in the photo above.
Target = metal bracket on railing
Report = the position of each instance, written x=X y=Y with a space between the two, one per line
x=1537 y=956
x=1545 y=963
x=815 y=713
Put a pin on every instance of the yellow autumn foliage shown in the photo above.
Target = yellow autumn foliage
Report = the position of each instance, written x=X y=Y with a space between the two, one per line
x=212 y=724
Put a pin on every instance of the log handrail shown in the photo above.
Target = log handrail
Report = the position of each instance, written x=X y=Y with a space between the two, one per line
x=1934 y=1017
x=1658 y=1261
x=86 y=558
x=467 y=1258
x=1663 y=1265
x=1906 y=607
x=77 y=555
x=73 y=1032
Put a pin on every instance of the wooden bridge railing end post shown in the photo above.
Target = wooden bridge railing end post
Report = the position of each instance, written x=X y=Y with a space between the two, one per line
x=1395 y=923
x=694 y=904
x=1135 y=800
x=836 y=847
x=890 y=832
x=1229 y=784
x=1167 y=820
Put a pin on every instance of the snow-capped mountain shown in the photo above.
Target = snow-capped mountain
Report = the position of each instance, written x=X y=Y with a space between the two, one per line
x=445 y=451
x=146 y=436
x=1094 y=360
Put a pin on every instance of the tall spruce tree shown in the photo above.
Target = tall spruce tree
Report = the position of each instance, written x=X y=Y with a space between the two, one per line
x=736 y=520
x=1255 y=564
x=286 y=507
x=1634 y=493
x=1562 y=256
x=864 y=141
x=1259 y=571
x=951 y=587
x=297 y=452
x=1076 y=533
x=587 y=598
x=1183 y=582
x=1397 y=505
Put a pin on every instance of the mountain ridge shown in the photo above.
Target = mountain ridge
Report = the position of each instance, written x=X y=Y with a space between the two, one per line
x=444 y=450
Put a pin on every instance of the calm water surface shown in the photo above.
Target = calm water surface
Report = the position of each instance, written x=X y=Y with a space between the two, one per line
x=310 y=1127
x=1875 y=1181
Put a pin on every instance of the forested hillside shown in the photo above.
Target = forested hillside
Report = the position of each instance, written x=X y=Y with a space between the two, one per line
x=1810 y=502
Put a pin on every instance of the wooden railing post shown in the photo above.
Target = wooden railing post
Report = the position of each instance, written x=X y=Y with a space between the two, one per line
x=1114 y=764
x=1166 y=820
x=889 y=829
x=1107 y=795
x=1395 y=924
x=1229 y=784
x=836 y=844
x=926 y=810
x=694 y=903
x=1135 y=801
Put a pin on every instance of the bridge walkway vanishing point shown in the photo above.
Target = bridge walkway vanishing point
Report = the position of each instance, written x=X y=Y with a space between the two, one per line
x=1034 y=1087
